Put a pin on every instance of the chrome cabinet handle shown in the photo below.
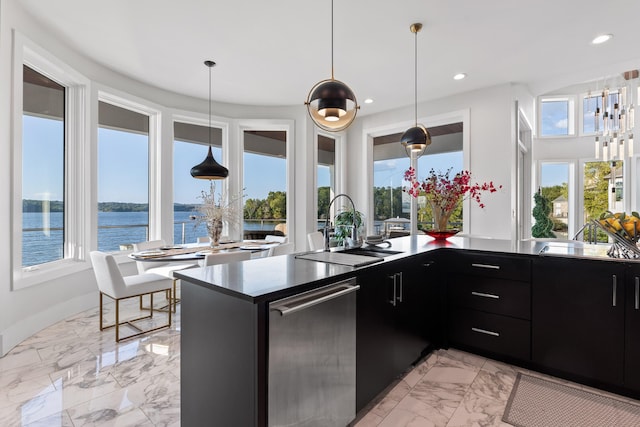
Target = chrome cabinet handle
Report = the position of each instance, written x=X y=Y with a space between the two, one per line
x=295 y=304
x=637 y=279
x=484 y=331
x=615 y=289
x=482 y=294
x=395 y=283
x=401 y=287
x=489 y=266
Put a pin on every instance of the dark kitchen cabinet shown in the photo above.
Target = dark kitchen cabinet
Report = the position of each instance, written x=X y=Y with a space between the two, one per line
x=578 y=317
x=489 y=305
x=375 y=331
x=632 y=329
x=392 y=324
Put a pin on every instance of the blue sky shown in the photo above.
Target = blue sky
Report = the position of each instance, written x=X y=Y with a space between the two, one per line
x=123 y=167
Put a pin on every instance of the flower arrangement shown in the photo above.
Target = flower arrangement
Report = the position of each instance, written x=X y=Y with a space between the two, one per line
x=216 y=209
x=445 y=193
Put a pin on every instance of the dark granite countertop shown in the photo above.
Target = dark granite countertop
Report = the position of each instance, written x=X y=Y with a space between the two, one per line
x=271 y=278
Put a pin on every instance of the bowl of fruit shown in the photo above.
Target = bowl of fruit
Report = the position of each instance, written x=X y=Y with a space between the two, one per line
x=622 y=225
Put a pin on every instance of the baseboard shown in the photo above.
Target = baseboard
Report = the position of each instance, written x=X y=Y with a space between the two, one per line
x=18 y=332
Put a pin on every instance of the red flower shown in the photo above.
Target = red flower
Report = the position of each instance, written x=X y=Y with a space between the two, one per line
x=445 y=192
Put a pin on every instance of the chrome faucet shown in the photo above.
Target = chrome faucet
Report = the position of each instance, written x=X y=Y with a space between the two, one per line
x=354 y=227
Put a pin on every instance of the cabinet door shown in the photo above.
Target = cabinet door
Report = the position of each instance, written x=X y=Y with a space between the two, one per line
x=375 y=335
x=578 y=317
x=632 y=330
x=416 y=302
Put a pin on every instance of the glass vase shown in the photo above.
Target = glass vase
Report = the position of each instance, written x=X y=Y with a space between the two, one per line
x=441 y=230
x=214 y=228
x=440 y=218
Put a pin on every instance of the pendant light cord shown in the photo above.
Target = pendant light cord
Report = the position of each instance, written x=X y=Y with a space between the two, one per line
x=332 y=77
x=415 y=81
x=210 y=106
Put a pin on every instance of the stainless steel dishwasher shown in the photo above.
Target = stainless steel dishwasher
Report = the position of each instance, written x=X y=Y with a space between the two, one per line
x=312 y=357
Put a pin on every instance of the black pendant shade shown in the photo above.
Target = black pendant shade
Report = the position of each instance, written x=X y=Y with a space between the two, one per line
x=332 y=104
x=415 y=140
x=209 y=168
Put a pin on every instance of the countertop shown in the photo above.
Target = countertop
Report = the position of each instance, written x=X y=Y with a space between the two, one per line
x=268 y=279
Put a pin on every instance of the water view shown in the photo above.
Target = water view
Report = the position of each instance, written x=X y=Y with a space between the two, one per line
x=43 y=238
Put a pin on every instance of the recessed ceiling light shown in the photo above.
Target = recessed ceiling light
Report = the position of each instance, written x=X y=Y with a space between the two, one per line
x=459 y=76
x=368 y=101
x=602 y=38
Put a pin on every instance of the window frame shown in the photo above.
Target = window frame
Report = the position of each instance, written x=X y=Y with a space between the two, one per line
x=581 y=122
x=571 y=113
x=77 y=189
x=156 y=179
x=575 y=192
x=339 y=175
x=152 y=115
x=199 y=120
x=237 y=183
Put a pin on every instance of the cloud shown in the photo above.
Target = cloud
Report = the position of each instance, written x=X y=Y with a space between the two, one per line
x=561 y=124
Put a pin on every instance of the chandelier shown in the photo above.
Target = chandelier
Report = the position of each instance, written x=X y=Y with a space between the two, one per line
x=614 y=120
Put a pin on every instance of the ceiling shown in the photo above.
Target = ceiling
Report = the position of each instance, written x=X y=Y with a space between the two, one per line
x=272 y=53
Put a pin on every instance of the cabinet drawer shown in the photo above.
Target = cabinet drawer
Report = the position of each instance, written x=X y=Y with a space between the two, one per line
x=491 y=332
x=498 y=296
x=488 y=265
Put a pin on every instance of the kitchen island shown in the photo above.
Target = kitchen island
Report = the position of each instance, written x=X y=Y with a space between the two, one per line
x=407 y=305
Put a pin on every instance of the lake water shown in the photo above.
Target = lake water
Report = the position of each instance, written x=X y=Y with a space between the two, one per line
x=44 y=246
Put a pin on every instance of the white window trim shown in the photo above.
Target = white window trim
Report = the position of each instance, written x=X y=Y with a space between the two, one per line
x=437 y=120
x=199 y=120
x=339 y=184
x=154 y=112
x=287 y=126
x=77 y=187
x=574 y=190
x=571 y=119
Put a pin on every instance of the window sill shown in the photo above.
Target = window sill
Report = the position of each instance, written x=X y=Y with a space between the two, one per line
x=39 y=274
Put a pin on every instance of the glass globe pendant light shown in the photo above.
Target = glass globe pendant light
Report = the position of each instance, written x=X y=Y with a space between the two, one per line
x=331 y=104
x=416 y=139
x=209 y=168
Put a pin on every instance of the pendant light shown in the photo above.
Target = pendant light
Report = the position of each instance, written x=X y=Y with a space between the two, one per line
x=416 y=139
x=209 y=168
x=332 y=104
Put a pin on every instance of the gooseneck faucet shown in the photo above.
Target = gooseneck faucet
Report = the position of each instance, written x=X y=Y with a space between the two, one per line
x=354 y=228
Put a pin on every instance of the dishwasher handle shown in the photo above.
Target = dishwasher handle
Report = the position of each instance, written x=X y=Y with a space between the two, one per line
x=301 y=302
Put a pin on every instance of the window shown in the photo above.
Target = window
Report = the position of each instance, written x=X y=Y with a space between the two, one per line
x=123 y=177
x=50 y=232
x=43 y=169
x=190 y=146
x=557 y=116
x=326 y=172
x=554 y=187
x=590 y=104
x=389 y=201
x=603 y=183
x=390 y=161
x=265 y=181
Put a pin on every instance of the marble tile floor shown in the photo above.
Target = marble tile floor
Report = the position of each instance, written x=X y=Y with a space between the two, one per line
x=71 y=374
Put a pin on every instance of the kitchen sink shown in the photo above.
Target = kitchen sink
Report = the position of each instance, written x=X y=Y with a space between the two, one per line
x=354 y=257
x=371 y=251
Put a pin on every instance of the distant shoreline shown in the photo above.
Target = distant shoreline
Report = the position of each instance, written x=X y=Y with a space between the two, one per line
x=30 y=205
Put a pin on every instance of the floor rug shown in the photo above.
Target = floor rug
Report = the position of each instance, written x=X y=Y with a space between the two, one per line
x=536 y=402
